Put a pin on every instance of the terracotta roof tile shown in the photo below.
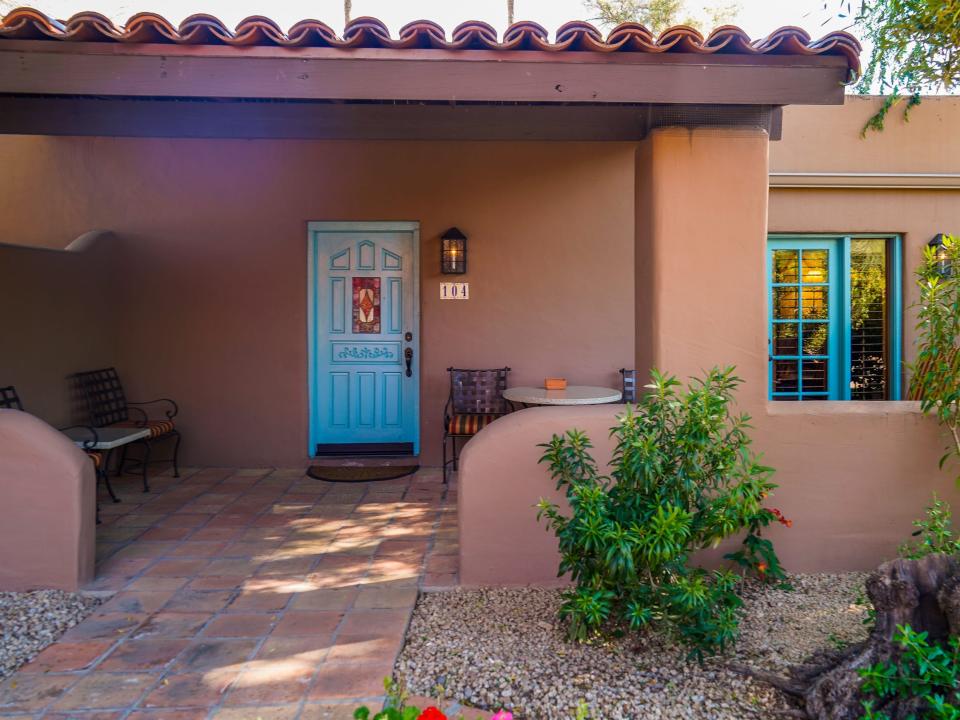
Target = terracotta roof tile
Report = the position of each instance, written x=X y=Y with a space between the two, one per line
x=366 y=32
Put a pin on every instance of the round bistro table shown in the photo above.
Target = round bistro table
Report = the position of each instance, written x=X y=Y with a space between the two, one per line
x=573 y=395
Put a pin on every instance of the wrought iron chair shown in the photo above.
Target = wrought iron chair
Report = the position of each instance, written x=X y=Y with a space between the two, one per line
x=476 y=400
x=10 y=400
x=629 y=385
x=107 y=405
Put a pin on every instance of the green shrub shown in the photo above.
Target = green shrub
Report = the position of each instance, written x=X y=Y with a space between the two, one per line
x=683 y=479
x=927 y=672
x=934 y=534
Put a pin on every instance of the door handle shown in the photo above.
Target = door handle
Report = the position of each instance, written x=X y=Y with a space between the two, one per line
x=408 y=356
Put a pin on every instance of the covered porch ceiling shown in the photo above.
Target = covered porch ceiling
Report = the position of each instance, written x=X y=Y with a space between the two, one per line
x=86 y=76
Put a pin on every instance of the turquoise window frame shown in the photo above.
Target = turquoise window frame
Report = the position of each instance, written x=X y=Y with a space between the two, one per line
x=839 y=310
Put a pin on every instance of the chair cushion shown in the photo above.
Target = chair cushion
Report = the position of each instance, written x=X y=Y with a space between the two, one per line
x=96 y=458
x=469 y=424
x=156 y=427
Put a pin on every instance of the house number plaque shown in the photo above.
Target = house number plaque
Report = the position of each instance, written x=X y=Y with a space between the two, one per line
x=455 y=291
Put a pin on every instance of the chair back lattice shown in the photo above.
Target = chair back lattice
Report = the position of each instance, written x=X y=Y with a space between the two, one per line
x=106 y=402
x=952 y=360
x=629 y=385
x=9 y=400
x=478 y=392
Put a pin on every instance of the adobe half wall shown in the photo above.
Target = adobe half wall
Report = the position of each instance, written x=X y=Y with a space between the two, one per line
x=852 y=476
x=211 y=283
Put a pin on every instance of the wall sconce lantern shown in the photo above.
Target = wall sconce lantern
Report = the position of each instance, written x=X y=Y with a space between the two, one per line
x=453 y=252
x=943 y=254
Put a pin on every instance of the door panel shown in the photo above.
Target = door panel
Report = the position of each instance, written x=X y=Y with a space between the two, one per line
x=363 y=319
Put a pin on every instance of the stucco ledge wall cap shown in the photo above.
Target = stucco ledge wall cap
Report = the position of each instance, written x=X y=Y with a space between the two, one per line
x=27 y=23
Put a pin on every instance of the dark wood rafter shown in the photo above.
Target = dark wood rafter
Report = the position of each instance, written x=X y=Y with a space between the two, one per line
x=151 y=70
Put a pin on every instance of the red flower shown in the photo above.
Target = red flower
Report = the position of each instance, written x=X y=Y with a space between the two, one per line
x=761 y=568
x=431 y=713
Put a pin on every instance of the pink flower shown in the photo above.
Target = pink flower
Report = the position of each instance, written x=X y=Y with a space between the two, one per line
x=502 y=715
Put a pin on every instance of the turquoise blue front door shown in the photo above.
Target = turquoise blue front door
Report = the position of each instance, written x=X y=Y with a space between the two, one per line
x=364 y=379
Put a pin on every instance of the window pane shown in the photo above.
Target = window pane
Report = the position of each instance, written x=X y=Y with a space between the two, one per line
x=815 y=338
x=868 y=319
x=815 y=266
x=815 y=302
x=785 y=264
x=814 y=376
x=785 y=376
x=785 y=339
x=785 y=303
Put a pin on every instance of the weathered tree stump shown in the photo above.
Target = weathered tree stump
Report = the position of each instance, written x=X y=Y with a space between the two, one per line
x=923 y=593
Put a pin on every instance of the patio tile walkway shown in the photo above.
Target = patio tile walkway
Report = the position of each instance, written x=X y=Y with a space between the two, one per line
x=246 y=593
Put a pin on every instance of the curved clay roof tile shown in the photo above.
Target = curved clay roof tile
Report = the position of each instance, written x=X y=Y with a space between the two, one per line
x=631 y=36
x=681 y=38
x=203 y=29
x=92 y=27
x=25 y=23
x=312 y=33
x=525 y=35
x=365 y=32
x=258 y=30
x=147 y=27
x=474 y=35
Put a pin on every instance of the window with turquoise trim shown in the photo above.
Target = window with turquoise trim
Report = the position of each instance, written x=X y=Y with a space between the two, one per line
x=834 y=317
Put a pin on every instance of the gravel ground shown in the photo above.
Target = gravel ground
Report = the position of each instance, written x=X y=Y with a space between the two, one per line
x=493 y=646
x=30 y=621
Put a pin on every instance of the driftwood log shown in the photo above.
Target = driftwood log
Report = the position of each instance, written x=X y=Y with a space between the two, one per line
x=923 y=593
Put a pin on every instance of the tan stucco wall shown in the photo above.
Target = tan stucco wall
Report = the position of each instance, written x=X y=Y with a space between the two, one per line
x=211 y=282
x=57 y=316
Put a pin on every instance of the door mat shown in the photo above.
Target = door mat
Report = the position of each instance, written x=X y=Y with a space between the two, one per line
x=353 y=473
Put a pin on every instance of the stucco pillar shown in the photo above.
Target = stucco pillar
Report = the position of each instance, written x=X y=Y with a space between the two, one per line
x=47 y=507
x=701 y=233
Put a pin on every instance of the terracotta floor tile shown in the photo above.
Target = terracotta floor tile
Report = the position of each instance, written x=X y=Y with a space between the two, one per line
x=198 y=549
x=228 y=566
x=349 y=680
x=298 y=623
x=167 y=625
x=147 y=653
x=216 y=534
x=145 y=550
x=122 y=568
x=138 y=601
x=90 y=715
x=291 y=567
x=374 y=597
x=136 y=519
x=271 y=683
x=156 y=582
x=177 y=568
x=67 y=656
x=214 y=653
x=188 y=600
x=168 y=714
x=165 y=533
x=184 y=520
x=105 y=690
x=342 y=711
x=359 y=622
x=366 y=648
x=263 y=712
x=104 y=626
x=197 y=690
x=217 y=582
x=303 y=651
x=263 y=601
x=325 y=599
x=29 y=693
x=240 y=625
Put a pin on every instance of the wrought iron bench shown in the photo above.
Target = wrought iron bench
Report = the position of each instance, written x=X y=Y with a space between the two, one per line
x=10 y=400
x=476 y=400
x=107 y=405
